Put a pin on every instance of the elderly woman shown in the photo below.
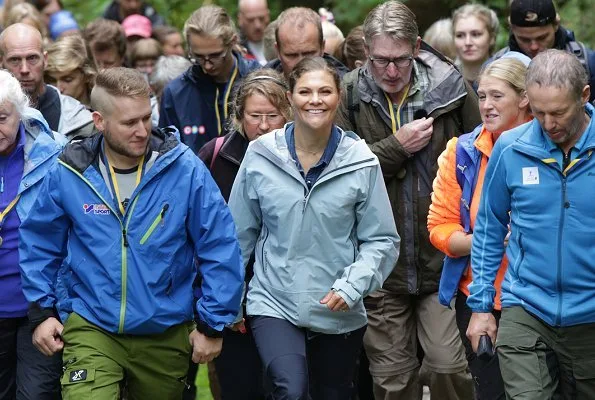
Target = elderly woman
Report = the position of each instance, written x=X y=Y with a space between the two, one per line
x=70 y=68
x=310 y=203
x=260 y=106
x=28 y=149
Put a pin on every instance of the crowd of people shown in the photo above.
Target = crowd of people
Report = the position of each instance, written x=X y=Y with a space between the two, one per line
x=313 y=215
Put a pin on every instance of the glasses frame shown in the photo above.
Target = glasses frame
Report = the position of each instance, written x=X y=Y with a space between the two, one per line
x=214 y=58
x=399 y=62
x=269 y=118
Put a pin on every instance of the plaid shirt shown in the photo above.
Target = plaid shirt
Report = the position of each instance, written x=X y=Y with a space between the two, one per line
x=415 y=97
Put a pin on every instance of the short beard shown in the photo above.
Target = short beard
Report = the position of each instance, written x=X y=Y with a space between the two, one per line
x=118 y=148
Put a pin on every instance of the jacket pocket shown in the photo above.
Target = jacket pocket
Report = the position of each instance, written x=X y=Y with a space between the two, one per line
x=517 y=263
x=159 y=219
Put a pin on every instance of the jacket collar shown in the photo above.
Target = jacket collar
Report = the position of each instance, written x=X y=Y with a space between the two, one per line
x=81 y=154
x=234 y=147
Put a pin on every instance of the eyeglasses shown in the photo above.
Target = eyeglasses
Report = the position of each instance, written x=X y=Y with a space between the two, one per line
x=214 y=58
x=32 y=59
x=400 y=62
x=256 y=119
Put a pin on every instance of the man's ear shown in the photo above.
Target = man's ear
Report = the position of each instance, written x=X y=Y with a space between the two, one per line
x=98 y=120
x=586 y=95
x=417 y=46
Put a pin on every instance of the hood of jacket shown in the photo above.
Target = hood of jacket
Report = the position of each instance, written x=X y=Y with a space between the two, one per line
x=73 y=115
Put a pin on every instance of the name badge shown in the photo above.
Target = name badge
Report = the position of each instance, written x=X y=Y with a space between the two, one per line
x=530 y=176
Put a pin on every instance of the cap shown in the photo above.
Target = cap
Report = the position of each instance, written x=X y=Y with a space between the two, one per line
x=530 y=13
x=61 y=22
x=137 y=25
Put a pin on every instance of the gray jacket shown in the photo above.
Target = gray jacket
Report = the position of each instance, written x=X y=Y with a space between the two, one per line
x=341 y=234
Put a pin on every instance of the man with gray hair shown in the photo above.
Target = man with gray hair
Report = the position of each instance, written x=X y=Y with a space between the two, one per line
x=298 y=35
x=406 y=103
x=541 y=182
x=22 y=54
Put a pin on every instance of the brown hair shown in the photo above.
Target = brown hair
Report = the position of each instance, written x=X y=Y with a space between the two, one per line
x=266 y=82
x=103 y=34
x=311 y=64
x=160 y=33
x=145 y=49
x=353 y=47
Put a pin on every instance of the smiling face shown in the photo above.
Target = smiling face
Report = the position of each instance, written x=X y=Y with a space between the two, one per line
x=501 y=107
x=472 y=39
x=314 y=100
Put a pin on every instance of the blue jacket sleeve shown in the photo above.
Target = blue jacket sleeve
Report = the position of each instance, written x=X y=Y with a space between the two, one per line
x=43 y=235
x=167 y=115
x=491 y=227
x=212 y=230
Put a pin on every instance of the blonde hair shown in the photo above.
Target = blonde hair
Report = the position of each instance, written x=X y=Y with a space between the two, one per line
x=69 y=53
x=212 y=21
x=118 y=82
x=20 y=12
x=484 y=14
x=509 y=70
x=439 y=36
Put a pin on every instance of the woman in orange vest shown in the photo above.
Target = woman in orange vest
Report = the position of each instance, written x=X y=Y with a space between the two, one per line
x=503 y=105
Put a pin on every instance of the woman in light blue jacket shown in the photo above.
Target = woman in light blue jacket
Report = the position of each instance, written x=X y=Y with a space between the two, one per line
x=309 y=201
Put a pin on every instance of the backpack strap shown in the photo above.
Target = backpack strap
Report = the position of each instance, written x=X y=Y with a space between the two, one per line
x=580 y=51
x=218 y=143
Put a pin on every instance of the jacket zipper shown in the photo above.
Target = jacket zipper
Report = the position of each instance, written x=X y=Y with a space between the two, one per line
x=124 y=246
x=565 y=205
x=156 y=221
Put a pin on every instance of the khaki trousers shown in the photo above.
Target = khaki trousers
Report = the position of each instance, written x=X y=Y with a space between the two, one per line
x=396 y=323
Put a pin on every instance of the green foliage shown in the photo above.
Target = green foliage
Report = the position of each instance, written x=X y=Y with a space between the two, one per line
x=575 y=14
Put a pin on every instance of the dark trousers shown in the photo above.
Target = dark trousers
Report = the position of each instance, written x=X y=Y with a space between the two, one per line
x=239 y=368
x=25 y=373
x=302 y=365
x=486 y=374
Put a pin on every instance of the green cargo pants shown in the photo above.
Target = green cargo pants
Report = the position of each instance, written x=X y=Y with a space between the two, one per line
x=541 y=362
x=96 y=362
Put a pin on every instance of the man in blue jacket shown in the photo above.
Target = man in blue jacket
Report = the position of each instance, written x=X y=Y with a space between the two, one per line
x=109 y=248
x=197 y=102
x=541 y=178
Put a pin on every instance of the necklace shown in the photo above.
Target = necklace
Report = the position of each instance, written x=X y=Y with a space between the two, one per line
x=308 y=151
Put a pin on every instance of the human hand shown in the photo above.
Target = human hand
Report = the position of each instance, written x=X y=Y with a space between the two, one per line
x=481 y=324
x=334 y=301
x=416 y=134
x=47 y=336
x=239 y=326
x=204 y=348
